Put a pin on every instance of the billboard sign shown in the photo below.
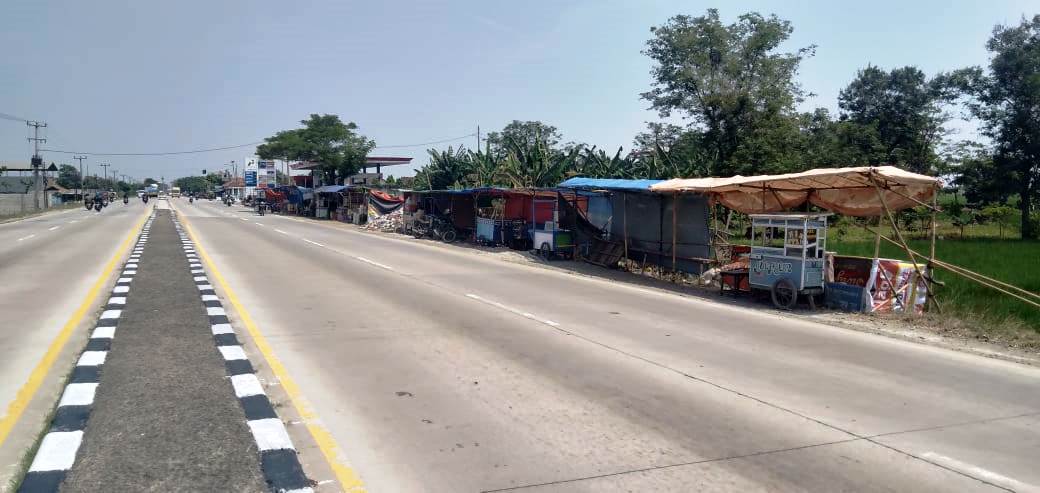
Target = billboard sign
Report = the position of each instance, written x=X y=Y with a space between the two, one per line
x=250 y=178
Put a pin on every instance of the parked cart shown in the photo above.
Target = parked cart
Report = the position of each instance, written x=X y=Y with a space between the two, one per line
x=787 y=256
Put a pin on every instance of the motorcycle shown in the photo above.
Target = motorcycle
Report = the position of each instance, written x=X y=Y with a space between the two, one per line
x=260 y=208
x=144 y=198
x=88 y=204
x=98 y=206
x=126 y=200
x=191 y=200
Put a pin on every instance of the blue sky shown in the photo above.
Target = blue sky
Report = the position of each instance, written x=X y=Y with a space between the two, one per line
x=154 y=76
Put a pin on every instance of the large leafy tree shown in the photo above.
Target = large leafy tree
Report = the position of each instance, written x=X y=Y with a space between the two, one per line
x=1006 y=98
x=447 y=169
x=68 y=176
x=337 y=146
x=193 y=184
x=732 y=82
x=902 y=108
x=526 y=134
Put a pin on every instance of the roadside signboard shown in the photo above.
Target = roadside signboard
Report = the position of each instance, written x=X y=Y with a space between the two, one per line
x=250 y=178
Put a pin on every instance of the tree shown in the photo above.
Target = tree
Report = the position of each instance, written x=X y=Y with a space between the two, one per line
x=730 y=81
x=193 y=184
x=526 y=134
x=1000 y=214
x=902 y=108
x=1007 y=101
x=150 y=181
x=447 y=169
x=68 y=177
x=325 y=139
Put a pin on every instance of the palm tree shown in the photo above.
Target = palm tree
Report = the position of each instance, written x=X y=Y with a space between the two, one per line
x=447 y=168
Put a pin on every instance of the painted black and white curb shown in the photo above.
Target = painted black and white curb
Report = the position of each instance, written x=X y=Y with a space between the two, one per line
x=278 y=458
x=57 y=450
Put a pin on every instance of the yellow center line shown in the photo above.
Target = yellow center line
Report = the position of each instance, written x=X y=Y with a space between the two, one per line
x=39 y=373
x=348 y=478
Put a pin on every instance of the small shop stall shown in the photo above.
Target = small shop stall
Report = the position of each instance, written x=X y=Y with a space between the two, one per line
x=866 y=191
x=327 y=200
x=548 y=236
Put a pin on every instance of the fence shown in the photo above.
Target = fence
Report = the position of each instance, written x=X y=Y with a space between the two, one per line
x=20 y=203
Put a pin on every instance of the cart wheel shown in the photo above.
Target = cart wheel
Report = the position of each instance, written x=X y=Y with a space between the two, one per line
x=784 y=294
x=545 y=250
x=449 y=236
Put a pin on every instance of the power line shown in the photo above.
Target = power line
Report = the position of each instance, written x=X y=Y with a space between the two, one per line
x=251 y=144
x=5 y=116
x=425 y=144
x=171 y=153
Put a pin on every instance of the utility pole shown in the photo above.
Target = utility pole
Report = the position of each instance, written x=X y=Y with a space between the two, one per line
x=37 y=161
x=81 y=176
x=105 y=165
x=478 y=138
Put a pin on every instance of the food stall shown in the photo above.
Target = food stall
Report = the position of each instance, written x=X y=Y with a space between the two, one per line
x=787 y=256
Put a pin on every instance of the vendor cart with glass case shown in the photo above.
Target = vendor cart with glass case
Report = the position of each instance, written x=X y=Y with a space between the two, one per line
x=787 y=256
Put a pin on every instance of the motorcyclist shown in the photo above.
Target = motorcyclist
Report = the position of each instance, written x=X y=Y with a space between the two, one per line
x=126 y=197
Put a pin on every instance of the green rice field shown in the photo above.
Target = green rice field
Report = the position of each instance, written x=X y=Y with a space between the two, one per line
x=1015 y=262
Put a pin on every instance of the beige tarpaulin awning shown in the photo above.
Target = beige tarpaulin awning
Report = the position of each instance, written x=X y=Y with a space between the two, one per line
x=849 y=191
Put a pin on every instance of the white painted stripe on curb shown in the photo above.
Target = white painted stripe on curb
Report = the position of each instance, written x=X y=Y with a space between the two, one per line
x=270 y=434
x=215 y=310
x=57 y=451
x=246 y=385
x=104 y=333
x=222 y=329
x=232 y=352
x=92 y=358
x=121 y=289
x=117 y=300
x=198 y=271
x=204 y=286
x=199 y=278
x=78 y=394
x=124 y=279
x=129 y=272
x=210 y=297
x=111 y=314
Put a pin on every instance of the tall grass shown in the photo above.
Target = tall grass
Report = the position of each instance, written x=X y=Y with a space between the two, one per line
x=1015 y=262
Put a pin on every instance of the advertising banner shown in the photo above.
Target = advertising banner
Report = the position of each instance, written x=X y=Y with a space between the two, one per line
x=250 y=178
x=895 y=287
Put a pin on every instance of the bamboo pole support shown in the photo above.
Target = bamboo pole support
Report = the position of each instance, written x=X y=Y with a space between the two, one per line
x=624 y=222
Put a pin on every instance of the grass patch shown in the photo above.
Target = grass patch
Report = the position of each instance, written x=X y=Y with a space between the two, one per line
x=1015 y=262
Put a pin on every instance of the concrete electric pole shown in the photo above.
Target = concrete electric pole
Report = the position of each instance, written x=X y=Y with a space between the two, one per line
x=37 y=161
x=82 y=177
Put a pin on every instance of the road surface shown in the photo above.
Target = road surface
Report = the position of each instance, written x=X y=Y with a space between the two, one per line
x=438 y=369
x=48 y=264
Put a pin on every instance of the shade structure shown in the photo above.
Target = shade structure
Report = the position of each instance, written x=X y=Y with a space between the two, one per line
x=850 y=191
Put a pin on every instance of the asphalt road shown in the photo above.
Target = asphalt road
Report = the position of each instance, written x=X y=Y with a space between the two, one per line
x=437 y=369
x=47 y=264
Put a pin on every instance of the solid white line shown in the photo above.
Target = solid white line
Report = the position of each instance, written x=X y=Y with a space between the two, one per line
x=232 y=352
x=978 y=472
x=312 y=242
x=280 y=231
x=377 y=264
x=92 y=358
x=514 y=311
x=57 y=451
x=103 y=333
x=53 y=228
x=78 y=394
x=246 y=385
x=270 y=434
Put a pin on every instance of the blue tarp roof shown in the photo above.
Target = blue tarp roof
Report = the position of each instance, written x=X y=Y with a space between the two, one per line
x=608 y=184
x=330 y=189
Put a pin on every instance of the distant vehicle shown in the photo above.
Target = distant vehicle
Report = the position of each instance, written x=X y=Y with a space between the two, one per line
x=152 y=190
x=175 y=192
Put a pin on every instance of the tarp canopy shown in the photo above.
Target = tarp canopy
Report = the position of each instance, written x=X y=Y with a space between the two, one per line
x=330 y=189
x=608 y=184
x=850 y=191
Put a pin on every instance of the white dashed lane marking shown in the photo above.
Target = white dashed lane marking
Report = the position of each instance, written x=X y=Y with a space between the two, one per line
x=978 y=472
x=52 y=228
x=313 y=242
x=512 y=310
x=377 y=264
x=281 y=232
x=27 y=237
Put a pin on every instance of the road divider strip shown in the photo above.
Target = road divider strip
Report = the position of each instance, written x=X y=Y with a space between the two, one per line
x=348 y=479
x=279 y=460
x=57 y=451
